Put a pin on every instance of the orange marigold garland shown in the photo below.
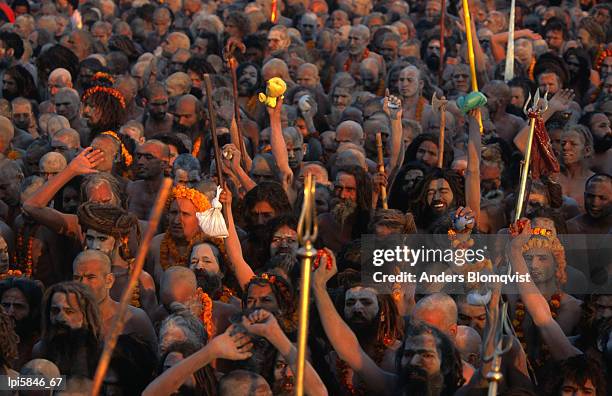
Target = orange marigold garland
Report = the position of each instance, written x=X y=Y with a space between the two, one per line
x=127 y=157
x=23 y=254
x=348 y=63
x=196 y=147
x=601 y=56
x=103 y=76
x=197 y=198
x=344 y=371
x=168 y=250
x=107 y=90
x=520 y=312
x=419 y=109
x=206 y=316
x=531 y=69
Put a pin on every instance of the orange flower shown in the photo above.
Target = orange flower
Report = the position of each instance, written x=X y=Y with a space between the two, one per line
x=127 y=157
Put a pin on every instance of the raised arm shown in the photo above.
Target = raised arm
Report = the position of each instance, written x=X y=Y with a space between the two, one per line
x=472 y=173
x=262 y=323
x=537 y=306
x=241 y=269
x=392 y=106
x=559 y=102
x=343 y=339
x=234 y=166
x=230 y=345
x=500 y=40
x=279 y=148
x=36 y=205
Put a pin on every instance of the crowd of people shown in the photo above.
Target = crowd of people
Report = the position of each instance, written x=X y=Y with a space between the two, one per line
x=103 y=100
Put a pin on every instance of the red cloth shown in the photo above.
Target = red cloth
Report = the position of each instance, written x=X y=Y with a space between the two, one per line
x=543 y=160
x=8 y=11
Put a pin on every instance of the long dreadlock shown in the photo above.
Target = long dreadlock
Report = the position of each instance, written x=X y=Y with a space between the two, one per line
x=87 y=305
x=8 y=340
x=110 y=220
x=111 y=105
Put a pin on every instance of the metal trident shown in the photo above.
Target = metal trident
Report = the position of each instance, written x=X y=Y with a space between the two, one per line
x=495 y=376
x=536 y=102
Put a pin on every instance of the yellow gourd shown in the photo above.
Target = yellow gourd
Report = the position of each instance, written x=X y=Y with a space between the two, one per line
x=275 y=88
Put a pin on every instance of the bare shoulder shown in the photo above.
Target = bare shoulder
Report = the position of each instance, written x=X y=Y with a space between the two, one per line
x=570 y=302
x=146 y=280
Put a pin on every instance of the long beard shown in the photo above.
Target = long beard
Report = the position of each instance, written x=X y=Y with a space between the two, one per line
x=602 y=144
x=343 y=209
x=418 y=382
x=74 y=351
x=210 y=282
x=190 y=131
x=364 y=330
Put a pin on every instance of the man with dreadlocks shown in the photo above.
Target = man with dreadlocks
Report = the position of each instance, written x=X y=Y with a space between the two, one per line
x=173 y=247
x=71 y=329
x=545 y=258
x=104 y=109
x=107 y=229
x=374 y=319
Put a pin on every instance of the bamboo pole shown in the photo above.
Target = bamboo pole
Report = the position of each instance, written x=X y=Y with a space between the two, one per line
x=470 y=45
x=126 y=297
x=381 y=169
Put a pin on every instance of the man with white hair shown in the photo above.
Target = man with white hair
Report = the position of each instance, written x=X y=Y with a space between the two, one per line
x=168 y=47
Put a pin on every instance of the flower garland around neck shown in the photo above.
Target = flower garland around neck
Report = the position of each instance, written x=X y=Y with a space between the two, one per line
x=349 y=61
x=196 y=147
x=206 y=316
x=167 y=248
x=602 y=55
x=519 y=317
x=345 y=372
x=125 y=154
x=531 y=69
x=419 y=109
x=23 y=253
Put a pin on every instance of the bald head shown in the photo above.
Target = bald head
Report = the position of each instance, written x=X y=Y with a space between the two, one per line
x=88 y=256
x=468 y=342
x=69 y=137
x=56 y=123
x=59 y=78
x=243 y=383
x=308 y=76
x=438 y=310
x=40 y=367
x=275 y=68
x=159 y=146
x=178 y=83
x=7 y=133
x=350 y=132
x=178 y=284
x=52 y=163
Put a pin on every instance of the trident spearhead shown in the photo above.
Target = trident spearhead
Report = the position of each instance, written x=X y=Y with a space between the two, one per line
x=539 y=102
x=307 y=228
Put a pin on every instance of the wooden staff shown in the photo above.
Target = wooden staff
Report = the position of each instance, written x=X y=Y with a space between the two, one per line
x=509 y=69
x=381 y=169
x=470 y=45
x=126 y=297
x=307 y=233
x=439 y=106
x=274 y=14
x=233 y=64
x=213 y=134
x=442 y=33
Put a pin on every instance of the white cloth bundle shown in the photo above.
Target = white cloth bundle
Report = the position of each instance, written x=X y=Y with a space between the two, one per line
x=212 y=221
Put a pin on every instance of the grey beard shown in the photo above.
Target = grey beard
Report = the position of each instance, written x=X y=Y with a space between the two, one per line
x=343 y=210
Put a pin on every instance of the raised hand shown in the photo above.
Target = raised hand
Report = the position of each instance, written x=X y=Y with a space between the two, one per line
x=392 y=106
x=276 y=111
x=87 y=161
x=323 y=274
x=465 y=225
x=232 y=345
x=312 y=108
x=231 y=156
x=521 y=239
x=561 y=100
x=261 y=323
x=226 y=197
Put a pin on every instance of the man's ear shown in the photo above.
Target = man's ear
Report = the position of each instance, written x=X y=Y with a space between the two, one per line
x=304 y=149
x=453 y=330
x=109 y=281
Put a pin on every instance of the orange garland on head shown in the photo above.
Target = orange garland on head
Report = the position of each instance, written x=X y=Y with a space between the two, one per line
x=167 y=246
x=127 y=157
x=102 y=75
x=107 y=90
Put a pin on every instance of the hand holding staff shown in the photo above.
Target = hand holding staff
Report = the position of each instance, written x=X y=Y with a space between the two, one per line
x=470 y=44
